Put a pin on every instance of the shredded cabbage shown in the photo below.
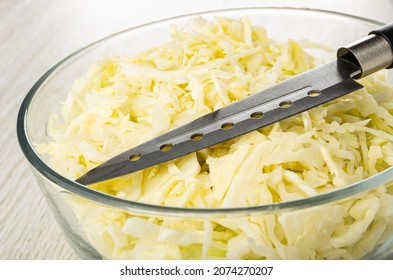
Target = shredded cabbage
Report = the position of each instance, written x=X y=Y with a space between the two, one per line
x=124 y=101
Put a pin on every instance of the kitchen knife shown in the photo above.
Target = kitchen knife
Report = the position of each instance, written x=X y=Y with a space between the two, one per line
x=295 y=95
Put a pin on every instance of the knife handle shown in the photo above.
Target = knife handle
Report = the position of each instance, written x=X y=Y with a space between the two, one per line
x=371 y=53
x=386 y=32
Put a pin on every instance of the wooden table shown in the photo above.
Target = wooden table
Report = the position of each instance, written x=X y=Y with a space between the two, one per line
x=34 y=35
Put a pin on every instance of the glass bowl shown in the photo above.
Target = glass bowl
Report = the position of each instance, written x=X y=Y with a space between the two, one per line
x=93 y=221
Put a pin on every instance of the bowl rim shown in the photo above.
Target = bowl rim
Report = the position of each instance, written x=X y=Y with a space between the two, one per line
x=112 y=201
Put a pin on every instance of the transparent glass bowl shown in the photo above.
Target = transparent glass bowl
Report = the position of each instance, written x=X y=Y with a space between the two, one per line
x=80 y=210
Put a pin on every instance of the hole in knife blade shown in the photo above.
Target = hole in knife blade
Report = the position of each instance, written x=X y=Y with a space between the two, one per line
x=135 y=157
x=285 y=104
x=166 y=147
x=314 y=93
x=256 y=115
x=197 y=137
x=227 y=126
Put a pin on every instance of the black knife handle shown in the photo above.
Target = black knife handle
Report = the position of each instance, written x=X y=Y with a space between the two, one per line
x=386 y=32
x=371 y=53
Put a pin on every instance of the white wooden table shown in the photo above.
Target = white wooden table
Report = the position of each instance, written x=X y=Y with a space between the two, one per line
x=34 y=35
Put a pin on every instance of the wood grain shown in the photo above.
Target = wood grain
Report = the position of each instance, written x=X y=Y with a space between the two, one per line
x=34 y=35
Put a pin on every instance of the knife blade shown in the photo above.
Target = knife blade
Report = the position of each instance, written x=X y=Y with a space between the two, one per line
x=295 y=95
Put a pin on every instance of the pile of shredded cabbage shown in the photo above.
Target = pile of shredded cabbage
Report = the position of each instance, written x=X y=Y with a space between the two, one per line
x=124 y=101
